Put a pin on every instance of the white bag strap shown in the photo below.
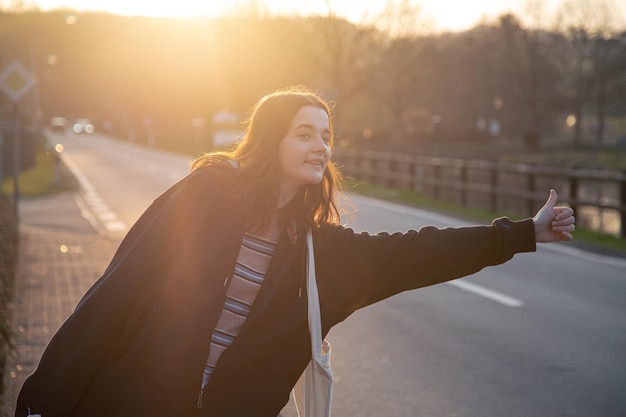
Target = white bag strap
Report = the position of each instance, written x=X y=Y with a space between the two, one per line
x=315 y=322
x=314 y=390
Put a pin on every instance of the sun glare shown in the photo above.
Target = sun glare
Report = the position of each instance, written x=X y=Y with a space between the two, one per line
x=152 y=8
x=442 y=14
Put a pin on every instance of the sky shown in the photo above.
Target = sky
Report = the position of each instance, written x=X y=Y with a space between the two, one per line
x=452 y=15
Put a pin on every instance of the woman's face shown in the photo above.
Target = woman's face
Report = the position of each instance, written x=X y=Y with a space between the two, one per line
x=304 y=152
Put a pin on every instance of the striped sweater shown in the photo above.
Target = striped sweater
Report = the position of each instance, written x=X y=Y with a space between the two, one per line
x=252 y=263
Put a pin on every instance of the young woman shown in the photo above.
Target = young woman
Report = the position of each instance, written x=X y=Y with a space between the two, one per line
x=203 y=309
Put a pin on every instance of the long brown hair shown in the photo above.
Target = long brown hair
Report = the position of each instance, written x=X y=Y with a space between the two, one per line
x=256 y=158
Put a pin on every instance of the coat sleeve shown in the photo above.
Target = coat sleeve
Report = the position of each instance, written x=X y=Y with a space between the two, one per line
x=358 y=269
x=76 y=351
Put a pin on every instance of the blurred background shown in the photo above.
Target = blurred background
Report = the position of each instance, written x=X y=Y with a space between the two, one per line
x=539 y=73
x=532 y=81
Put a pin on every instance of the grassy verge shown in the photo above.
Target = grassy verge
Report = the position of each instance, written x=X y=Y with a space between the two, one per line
x=595 y=158
x=44 y=178
x=584 y=237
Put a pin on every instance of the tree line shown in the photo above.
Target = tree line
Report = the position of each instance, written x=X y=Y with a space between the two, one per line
x=164 y=79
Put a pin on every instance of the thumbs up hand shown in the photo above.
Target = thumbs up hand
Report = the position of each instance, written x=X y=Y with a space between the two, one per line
x=553 y=224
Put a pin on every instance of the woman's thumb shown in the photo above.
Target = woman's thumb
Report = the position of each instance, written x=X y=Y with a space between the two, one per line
x=552 y=199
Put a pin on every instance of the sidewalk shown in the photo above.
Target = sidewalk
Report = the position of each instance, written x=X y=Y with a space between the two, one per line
x=60 y=256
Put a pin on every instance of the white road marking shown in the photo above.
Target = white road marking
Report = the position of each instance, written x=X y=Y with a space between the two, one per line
x=115 y=226
x=78 y=174
x=91 y=202
x=86 y=213
x=487 y=293
x=107 y=216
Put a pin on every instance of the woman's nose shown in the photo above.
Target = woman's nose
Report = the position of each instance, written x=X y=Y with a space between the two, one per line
x=321 y=145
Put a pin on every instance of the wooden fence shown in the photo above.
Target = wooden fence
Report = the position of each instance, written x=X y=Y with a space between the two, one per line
x=598 y=197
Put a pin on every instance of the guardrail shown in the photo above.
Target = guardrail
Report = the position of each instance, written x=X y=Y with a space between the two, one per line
x=598 y=197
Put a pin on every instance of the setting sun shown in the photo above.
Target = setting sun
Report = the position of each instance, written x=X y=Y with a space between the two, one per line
x=155 y=8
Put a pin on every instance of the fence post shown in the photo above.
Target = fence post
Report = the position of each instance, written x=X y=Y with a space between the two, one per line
x=464 y=183
x=531 y=190
x=371 y=167
x=622 y=199
x=493 y=182
x=418 y=175
x=573 y=192
x=412 y=183
x=393 y=168
x=437 y=175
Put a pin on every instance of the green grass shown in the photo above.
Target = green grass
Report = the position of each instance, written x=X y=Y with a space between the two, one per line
x=412 y=198
x=600 y=240
x=40 y=179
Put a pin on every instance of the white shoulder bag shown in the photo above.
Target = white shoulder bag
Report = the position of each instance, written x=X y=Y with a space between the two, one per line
x=313 y=392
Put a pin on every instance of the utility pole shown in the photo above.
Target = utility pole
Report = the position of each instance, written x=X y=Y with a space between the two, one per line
x=15 y=81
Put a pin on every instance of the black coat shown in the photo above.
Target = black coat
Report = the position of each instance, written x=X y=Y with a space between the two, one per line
x=137 y=342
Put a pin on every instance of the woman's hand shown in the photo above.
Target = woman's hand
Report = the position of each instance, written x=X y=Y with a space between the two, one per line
x=553 y=224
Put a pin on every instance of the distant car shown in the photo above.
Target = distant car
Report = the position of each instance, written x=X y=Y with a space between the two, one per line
x=83 y=126
x=58 y=124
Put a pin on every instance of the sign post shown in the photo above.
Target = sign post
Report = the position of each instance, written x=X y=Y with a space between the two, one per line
x=1 y=159
x=15 y=81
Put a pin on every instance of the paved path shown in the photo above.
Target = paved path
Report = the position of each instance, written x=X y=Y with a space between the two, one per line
x=60 y=256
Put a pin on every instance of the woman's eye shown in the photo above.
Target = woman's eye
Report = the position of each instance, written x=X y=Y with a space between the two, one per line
x=304 y=136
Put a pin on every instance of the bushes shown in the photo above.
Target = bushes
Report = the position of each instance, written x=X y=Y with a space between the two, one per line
x=8 y=262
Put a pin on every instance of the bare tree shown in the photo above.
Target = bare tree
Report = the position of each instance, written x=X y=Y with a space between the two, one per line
x=609 y=57
x=582 y=21
x=345 y=51
x=402 y=19
x=535 y=15
x=400 y=75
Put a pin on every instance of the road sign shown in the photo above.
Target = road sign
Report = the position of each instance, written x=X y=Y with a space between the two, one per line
x=15 y=81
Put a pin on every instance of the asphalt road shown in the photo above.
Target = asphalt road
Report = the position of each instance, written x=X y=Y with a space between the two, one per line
x=543 y=335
